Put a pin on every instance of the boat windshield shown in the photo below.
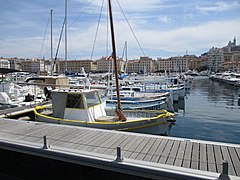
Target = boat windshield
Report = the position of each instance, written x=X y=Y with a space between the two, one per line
x=75 y=101
x=92 y=99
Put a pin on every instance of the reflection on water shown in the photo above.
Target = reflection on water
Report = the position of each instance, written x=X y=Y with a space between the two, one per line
x=180 y=105
x=210 y=111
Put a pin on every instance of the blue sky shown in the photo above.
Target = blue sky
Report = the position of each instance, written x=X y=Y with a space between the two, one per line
x=163 y=28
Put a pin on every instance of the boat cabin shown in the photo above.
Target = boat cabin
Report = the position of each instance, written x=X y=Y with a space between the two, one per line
x=53 y=81
x=77 y=104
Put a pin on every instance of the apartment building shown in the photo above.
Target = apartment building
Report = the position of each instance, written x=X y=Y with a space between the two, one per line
x=173 y=64
x=33 y=65
x=75 y=65
x=142 y=65
x=105 y=64
x=4 y=63
x=215 y=59
x=233 y=66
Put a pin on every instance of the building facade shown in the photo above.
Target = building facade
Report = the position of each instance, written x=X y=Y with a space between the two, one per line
x=143 y=65
x=4 y=63
x=106 y=64
x=33 y=65
x=75 y=66
x=215 y=59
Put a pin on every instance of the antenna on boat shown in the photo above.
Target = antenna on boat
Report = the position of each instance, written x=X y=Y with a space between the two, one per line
x=118 y=110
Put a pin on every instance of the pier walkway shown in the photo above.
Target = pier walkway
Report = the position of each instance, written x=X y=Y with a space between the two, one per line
x=147 y=156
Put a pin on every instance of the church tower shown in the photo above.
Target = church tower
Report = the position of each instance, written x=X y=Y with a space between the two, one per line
x=234 y=41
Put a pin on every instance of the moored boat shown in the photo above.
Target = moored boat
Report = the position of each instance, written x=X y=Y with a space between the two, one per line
x=85 y=108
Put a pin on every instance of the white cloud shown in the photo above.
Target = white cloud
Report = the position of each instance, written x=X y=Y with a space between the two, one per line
x=175 y=42
x=219 y=7
x=192 y=38
x=128 y=4
x=164 y=19
x=151 y=36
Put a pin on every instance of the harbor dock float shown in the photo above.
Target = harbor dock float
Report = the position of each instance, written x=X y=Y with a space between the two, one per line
x=124 y=154
x=21 y=110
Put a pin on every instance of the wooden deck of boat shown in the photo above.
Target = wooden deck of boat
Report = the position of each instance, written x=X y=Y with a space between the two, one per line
x=178 y=152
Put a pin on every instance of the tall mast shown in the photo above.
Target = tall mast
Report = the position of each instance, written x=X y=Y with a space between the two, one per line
x=125 y=70
x=65 y=34
x=118 y=110
x=51 y=39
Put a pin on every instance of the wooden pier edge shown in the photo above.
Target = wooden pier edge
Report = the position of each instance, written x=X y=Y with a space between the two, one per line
x=121 y=152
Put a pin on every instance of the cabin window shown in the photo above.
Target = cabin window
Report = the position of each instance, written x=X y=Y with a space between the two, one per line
x=136 y=89
x=92 y=99
x=75 y=101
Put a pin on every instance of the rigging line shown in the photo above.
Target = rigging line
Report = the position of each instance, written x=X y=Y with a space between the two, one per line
x=95 y=38
x=107 y=38
x=41 y=50
x=130 y=28
x=124 y=47
x=59 y=41
x=80 y=13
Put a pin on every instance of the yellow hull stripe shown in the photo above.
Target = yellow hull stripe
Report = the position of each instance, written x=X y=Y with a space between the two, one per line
x=167 y=114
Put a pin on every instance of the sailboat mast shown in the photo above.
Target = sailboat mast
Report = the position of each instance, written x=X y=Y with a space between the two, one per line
x=125 y=70
x=65 y=34
x=51 y=39
x=119 y=112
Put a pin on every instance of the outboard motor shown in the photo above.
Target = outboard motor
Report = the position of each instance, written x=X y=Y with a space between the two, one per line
x=29 y=98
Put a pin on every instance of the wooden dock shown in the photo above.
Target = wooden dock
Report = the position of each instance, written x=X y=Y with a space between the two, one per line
x=154 y=155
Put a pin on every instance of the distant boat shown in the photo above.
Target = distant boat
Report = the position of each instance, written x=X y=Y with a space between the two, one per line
x=136 y=97
x=192 y=73
x=130 y=101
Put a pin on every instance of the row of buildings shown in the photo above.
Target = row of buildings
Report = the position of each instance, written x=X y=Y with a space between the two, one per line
x=216 y=59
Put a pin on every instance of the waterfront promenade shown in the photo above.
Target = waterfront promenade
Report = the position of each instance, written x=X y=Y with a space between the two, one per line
x=142 y=155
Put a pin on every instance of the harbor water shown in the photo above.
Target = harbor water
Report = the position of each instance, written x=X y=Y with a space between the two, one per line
x=210 y=111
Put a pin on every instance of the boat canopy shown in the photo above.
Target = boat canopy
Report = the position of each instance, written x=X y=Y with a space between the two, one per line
x=75 y=100
x=59 y=99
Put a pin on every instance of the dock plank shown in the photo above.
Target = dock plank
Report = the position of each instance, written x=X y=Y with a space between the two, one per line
x=158 y=152
x=144 y=147
x=166 y=152
x=152 y=150
x=203 y=157
x=76 y=141
x=92 y=142
x=195 y=156
x=187 y=155
x=180 y=154
x=173 y=153
x=106 y=144
x=218 y=157
x=211 y=159
x=226 y=157
x=117 y=143
x=235 y=160
x=128 y=147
